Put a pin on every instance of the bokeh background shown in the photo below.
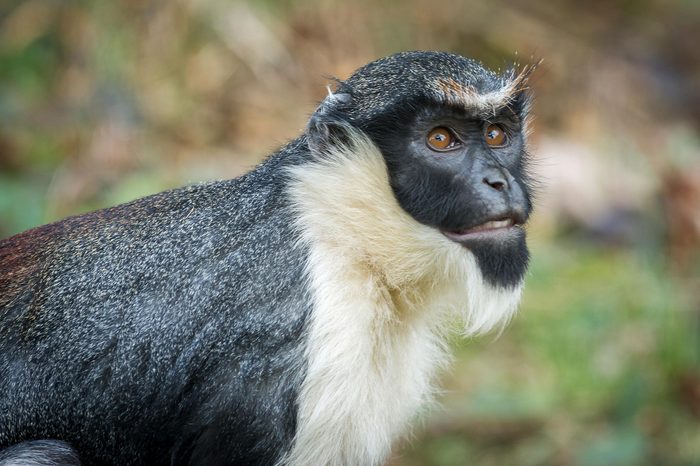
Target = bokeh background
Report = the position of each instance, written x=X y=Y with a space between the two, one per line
x=103 y=101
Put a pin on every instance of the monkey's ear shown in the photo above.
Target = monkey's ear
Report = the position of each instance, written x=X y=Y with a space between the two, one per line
x=328 y=126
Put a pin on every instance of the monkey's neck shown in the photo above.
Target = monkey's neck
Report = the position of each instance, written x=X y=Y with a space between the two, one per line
x=347 y=213
x=383 y=288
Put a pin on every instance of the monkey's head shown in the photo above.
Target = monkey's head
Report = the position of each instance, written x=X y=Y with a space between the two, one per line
x=453 y=138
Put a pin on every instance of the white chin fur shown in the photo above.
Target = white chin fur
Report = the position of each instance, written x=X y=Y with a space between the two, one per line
x=384 y=287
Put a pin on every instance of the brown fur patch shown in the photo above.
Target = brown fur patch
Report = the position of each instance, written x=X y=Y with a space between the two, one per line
x=452 y=88
x=21 y=259
x=24 y=257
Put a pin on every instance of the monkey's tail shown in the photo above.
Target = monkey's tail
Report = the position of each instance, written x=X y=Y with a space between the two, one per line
x=40 y=453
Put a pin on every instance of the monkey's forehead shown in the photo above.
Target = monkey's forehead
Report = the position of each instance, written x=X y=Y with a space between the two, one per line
x=421 y=66
x=440 y=76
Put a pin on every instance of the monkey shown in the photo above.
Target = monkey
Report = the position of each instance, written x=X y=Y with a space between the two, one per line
x=295 y=315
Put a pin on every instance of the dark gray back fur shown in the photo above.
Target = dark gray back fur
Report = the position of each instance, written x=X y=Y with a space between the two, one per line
x=173 y=320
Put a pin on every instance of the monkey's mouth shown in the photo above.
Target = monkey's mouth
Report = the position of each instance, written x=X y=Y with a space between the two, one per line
x=491 y=229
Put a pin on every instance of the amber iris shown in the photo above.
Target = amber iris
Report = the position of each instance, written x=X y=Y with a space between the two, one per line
x=441 y=139
x=495 y=136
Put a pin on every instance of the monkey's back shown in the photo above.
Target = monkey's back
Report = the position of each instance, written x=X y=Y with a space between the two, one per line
x=113 y=320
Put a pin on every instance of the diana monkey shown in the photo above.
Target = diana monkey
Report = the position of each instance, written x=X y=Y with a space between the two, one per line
x=293 y=316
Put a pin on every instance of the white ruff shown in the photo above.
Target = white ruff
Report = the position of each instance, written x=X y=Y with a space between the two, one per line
x=384 y=287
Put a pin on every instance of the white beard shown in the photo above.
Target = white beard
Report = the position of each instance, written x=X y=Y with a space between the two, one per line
x=384 y=288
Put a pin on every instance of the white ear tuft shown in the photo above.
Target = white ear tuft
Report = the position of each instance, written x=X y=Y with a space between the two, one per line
x=336 y=98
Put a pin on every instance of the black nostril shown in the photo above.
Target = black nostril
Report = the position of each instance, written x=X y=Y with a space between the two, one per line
x=497 y=184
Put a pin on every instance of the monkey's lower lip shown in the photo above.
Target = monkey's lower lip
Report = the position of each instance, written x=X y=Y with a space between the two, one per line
x=490 y=229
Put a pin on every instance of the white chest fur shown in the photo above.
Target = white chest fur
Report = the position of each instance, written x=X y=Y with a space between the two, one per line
x=384 y=287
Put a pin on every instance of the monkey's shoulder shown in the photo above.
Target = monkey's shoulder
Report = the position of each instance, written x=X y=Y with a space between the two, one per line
x=217 y=231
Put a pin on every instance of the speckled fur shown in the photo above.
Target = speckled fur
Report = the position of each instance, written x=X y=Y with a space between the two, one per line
x=165 y=329
x=40 y=453
x=441 y=77
x=278 y=318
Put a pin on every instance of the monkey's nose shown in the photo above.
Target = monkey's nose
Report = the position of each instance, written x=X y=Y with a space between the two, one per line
x=496 y=179
x=498 y=187
x=499 y=183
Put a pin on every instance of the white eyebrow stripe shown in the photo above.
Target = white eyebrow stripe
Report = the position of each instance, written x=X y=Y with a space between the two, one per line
x=489 y=103
x=456 y=93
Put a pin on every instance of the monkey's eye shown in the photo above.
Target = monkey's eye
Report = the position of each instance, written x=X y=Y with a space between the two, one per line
x=495 y=136
x=441 y=139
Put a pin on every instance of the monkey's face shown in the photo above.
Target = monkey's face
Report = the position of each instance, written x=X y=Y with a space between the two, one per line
x=453 y=138
x=463 y=174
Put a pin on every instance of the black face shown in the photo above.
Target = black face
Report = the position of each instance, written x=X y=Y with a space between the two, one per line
x=464 y=175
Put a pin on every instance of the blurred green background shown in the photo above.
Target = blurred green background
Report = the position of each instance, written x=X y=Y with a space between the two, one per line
x=105 y=101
